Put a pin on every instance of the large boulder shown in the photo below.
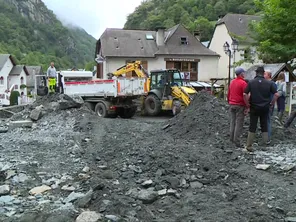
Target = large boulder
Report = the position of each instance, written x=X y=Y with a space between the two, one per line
x=147 y=196
x=89 y=216
x=36 y=113
x=67 y=102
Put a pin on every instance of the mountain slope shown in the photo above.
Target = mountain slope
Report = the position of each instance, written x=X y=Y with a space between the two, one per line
x=196 y=15
x=33 y=34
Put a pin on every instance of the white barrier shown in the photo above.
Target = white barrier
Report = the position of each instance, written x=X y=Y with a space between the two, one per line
x=23 y=100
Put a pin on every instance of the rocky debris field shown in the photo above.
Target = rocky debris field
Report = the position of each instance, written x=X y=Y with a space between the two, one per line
x=66 y=164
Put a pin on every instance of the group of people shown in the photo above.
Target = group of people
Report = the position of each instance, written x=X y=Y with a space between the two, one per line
x=256 y=97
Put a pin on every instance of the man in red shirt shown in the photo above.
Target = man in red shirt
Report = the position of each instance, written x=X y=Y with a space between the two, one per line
x=237 y=104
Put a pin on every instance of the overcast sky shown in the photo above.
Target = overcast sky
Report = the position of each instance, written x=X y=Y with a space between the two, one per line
x=93 y=15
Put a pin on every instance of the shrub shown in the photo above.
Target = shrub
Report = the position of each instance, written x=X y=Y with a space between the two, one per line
x=14 y=98
x=23 y=86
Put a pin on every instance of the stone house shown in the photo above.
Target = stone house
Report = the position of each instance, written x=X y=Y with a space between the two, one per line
x=161 y=49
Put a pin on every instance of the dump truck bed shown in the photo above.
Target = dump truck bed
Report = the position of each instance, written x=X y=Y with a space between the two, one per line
x=120 y=87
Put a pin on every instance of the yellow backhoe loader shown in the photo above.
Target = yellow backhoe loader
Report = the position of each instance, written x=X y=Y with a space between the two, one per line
x=166 y=89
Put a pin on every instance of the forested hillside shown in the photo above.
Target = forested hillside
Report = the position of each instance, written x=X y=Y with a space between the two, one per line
x=34 y=36
x=196 y=15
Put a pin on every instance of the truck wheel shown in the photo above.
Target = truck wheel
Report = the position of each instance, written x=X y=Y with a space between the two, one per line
x=90 y=106
x=101 y=110
x=152 y=105
x=127 y=113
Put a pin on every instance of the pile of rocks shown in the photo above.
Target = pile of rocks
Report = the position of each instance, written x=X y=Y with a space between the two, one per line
x=48 y=104
x=182 y=170
x=206 y=120
x=41 y=165
x=73 y=166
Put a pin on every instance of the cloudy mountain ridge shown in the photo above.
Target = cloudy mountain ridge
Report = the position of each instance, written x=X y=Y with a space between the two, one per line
x=34 y=35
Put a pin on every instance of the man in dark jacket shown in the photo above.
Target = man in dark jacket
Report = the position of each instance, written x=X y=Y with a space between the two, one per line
x=237 y=104
x=259 y=103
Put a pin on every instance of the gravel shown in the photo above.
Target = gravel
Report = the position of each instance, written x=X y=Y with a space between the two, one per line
x=183 y=169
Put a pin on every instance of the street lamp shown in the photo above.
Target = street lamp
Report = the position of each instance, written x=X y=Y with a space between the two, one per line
x=234 y=45
x=227 y=50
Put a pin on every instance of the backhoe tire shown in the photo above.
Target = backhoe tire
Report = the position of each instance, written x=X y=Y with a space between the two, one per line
x=152 y=105
x=101 y=110
x=127 y=113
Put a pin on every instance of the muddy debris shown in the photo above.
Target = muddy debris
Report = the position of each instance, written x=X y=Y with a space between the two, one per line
x=132 y=170
x=206 y=119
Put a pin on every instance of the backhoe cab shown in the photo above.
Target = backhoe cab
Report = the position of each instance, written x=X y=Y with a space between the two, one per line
x=167 y=91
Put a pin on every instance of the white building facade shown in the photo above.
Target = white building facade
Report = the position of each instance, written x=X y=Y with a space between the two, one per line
x=172 y=48
x=234 y=27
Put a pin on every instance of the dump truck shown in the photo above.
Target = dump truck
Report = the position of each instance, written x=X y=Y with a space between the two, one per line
x=162 y=90
x=107 y=97
x=167 y=90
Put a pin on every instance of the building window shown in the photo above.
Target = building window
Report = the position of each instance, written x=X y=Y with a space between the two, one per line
x=1 y=81
x=149 y=37
x=191 y=67
x=184 y=41
x=22 y=80
x=100 y=70
x=185 y=66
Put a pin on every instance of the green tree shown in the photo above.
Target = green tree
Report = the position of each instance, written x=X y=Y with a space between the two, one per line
x=277 y=30
x=37 y=43
x=220 y=8
x=168 y=13
x=204 y=27
x=90 y=66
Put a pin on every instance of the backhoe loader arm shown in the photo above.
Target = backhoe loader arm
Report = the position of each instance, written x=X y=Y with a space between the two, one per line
x=179 y=93
x=129 y=67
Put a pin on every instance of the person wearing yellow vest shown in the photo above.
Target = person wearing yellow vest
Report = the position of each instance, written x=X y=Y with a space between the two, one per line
x=52 y=77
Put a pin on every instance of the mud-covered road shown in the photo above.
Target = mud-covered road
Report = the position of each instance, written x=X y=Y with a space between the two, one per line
x=144 y=169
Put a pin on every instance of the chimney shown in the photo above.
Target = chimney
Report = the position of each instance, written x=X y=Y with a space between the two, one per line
x=160 y=36
x=220 y=17
x=197 y=35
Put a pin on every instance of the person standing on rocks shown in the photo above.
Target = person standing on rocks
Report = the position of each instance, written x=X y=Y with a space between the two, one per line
x=291 y=117
x=260 y=91
x=281 y=87
x=267 y=76
x=52 y=77
x=237 y=104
